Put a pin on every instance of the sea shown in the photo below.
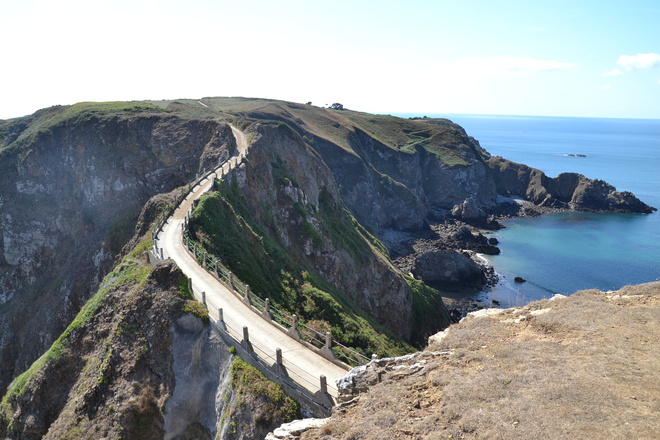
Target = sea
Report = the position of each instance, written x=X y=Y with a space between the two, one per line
x=566 y=252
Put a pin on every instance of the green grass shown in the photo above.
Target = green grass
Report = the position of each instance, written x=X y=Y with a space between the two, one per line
x=196 y=308
x=120 y=231
x=427 y=305
x=184 y=288
x=252 y=250
x=251 y=385
x=45 y=120
x=345 y=231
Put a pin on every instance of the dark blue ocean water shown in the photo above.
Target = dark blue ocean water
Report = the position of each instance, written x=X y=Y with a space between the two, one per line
x=563 y=253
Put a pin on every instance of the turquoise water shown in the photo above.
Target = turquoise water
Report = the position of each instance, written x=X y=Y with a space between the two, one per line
x=563 y=253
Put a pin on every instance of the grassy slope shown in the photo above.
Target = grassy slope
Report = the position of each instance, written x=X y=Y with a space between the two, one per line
x=224 y=226
x=131 y=271
x=337 y=127
x=274 y=272
x=438 y=136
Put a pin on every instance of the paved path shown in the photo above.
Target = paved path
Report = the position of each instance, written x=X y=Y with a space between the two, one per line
x=304 y=365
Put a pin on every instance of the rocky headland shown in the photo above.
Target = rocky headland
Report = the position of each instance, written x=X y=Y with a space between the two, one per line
x=346 y=218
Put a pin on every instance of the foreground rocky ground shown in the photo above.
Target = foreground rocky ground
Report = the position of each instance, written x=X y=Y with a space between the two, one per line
x=584 y=366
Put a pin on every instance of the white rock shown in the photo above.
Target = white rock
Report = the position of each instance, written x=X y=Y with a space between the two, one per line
x=436 y=338
x=484 y=312
x=294 y=429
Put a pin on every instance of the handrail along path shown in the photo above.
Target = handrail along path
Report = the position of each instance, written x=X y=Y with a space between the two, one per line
x=237 y=322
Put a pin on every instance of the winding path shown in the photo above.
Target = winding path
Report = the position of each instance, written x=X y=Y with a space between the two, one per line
x=303 y=365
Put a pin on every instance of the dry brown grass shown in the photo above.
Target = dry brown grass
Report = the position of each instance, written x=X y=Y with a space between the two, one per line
x=583 y=367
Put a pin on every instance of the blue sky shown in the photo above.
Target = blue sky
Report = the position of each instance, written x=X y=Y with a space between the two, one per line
x=547 y=57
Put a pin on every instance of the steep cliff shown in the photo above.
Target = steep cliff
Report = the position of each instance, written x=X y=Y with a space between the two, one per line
x=74 y=180
x=110 y=373
x=566 y=191
x=301 y=247
x=141 y=361
x=391 y=172
x=290 y=222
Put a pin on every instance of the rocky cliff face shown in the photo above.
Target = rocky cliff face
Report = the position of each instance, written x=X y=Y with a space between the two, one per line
x=137 y=364
x=404 y=188
x=566 y=191
x=293 y=196
x=69 y=198
x=110 y=374
x=75 y=179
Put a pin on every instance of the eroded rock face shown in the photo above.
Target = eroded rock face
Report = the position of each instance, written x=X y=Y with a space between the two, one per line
x=372 y=282
x=566 y=191
x=200 y=365
x=385 y=188
x=114 y=373
x=68 y=202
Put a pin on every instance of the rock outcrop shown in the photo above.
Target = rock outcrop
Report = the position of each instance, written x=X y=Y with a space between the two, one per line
x=468 y=211
x=140 y=366
x=448 y=269
x=292 y=194
x=109 y=375
x=74 y=183
x=566 y=191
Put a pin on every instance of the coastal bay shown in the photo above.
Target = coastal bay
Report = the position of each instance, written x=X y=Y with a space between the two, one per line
x=566 y=252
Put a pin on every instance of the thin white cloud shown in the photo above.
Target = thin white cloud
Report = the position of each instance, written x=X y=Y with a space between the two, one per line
x=639 y=61
x=613 y=72
x=606 y=87
x=505 y=66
